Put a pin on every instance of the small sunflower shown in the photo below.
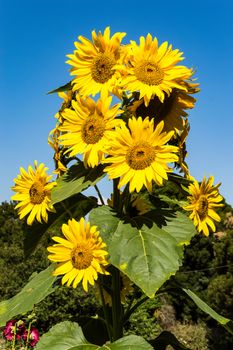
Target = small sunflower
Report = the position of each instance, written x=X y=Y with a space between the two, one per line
x=152 y=69
x=87 y=127
x=81 y=255
x=33 y=193
x=93 y=63
x=139 y=154
x=203 y=199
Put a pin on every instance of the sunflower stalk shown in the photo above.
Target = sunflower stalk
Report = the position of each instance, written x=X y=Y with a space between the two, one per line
x=106 y=317
x=116 y=305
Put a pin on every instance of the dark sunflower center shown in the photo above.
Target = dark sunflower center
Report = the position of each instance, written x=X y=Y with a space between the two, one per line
x=101 y=69
x=140 y=155
x=93 y=129
x=37 y=193
x=81 y=256
x=149 y=73
x=202 y=206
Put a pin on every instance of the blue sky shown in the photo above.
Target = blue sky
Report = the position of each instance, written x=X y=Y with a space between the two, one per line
x=36 y=36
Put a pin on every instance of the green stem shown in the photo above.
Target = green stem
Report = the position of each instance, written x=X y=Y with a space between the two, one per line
x=14 y=338
x=129 y=312
x=116 y=196
x=116 y=305
x=99 y=194
x=28 y=335
x=106 y=318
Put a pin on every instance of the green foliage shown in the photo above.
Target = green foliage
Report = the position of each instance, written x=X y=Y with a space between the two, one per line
x=143 y=321
x=39 y=286
x=69 y=336
x=75 y=180
x=147 y=255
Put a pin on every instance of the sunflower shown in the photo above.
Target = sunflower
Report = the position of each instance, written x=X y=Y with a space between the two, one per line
x=33 y=193
x=152 y=70
x=87 y=127
x=80 y=254
x=139 y=155
x=173 y=109
x=203 y=199
x=93 y=63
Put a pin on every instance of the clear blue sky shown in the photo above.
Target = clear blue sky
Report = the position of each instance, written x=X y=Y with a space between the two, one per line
x=36 y=36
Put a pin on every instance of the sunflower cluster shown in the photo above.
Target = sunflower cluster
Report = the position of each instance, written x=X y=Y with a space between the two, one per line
x=137 y=140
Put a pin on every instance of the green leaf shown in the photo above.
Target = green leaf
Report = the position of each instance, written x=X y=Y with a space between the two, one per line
x=63 y=336
x=147 y=255
x=39 y=286
x=167 y=338
x=69 y=336
x=75 y=180
x=62 y=88
x=129 y=342
x=225 y=322
x=75 y=207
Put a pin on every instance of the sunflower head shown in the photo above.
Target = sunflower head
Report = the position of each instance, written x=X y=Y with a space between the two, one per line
x=139 y=154
x=81 y=254
x=203 y=200
x=33 y=193
x=152 y=69
x=87 y=127
x=93 y=63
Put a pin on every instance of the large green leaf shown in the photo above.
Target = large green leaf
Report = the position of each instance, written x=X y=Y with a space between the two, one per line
x=147 y=255
x=69 y=336
x=39 y=286
x=75 y=180
x=75 y=207
x=225 y=322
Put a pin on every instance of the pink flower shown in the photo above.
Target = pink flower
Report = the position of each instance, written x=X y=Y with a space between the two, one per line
x=9 y=329
x=34 y=336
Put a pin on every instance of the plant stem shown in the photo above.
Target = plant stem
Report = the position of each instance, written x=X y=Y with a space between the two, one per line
x=99 y=194
x=129 y=312
x=14 y=338
x=28 y=335
x=107 y=322
x=116 y=305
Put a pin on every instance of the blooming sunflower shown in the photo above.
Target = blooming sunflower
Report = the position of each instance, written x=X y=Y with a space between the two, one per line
x=81 y=255
x=152 y=70
x=33 y=193
x=139 y=154
x=171 y=111
x=203 y=199
x=93 y=63
x=87 y=127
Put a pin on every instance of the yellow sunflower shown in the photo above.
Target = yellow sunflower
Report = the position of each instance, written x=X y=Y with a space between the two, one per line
x=153 y=70
x=173 y=109
x=80 y=254
x=203 y=199
x=93 y=63
x=33 y=193
x=87 y=127
x=139 y=154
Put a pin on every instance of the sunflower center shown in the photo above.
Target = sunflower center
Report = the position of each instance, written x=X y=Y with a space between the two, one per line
x=140 y=155
x=202 y=206
x=101 y=69
x=93 y=129
x=149 y=73
x=37 y=193
x=81 y=256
